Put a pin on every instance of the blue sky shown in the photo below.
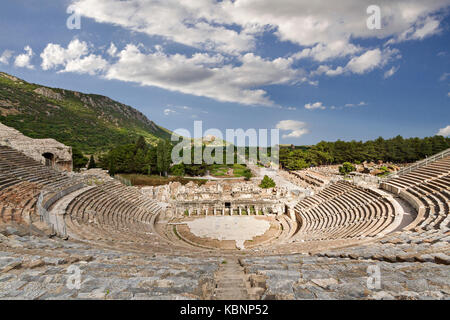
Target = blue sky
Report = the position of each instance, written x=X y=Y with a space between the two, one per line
x=316 y=71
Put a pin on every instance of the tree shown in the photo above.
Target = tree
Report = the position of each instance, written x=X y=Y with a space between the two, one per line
x=247 y=174
x=163 y=157
x=91 y=164
x=141 y=144
x=139 y=162
x=346 y=168
x=178 y=170
x=112 y=168
x=78 y=159
x=150 y=160
x=267 y=183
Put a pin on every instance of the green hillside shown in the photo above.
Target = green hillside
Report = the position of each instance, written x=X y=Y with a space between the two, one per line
x=90 y=122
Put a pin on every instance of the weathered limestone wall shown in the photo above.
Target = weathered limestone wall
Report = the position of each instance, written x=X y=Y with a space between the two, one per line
x=59 y=155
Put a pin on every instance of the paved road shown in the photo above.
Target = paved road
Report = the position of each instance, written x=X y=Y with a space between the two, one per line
x=272 y=173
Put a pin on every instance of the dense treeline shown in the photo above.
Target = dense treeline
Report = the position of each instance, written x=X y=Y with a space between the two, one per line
x=397 y=150
x=138 y=158
x=142 y=158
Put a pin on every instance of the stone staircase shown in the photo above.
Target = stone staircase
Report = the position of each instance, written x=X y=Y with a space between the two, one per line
x=231 y=282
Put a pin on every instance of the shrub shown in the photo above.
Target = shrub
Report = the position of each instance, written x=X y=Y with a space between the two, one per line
x=346 y=168
x=267 y=183
x=178 y=170
x=247 y=174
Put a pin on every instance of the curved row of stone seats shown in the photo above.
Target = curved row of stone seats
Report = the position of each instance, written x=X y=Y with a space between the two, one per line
x=116 y=214
x=131 y=237
x=401 y=246
x=17 y=201
x=134 y=238
x=37 y=268
x=104 y=201
x=310 y=178
x=343 y=211
x=315 y=277
x=431 y=171
x=427 y=189
x=331 y=192
x=21 y=181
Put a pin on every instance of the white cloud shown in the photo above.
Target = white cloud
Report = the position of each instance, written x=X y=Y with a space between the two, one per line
x=324 y=69
x=201 y=24
x=6 y=55
x=361 y=64
x=423 y=28
x=444 y=76
x=365 y=62
x=75 y=58
x=391 y=72
x=112 y=51
x=54 y=55
x=24 y=60
x=224 y=35
x=203 y=75
x=321 y=52
x=90 y=64
x=351 y=105
x=444 y=131
x=448 y=94
x=171 y=109
x=296 y=128
x=324 y=27
x=316 y=105
x=168 y=112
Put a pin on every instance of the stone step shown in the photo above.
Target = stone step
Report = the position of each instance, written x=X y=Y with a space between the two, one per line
x=230 y=282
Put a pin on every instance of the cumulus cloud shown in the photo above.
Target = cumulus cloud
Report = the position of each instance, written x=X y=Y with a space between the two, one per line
x=366 y=62
x=201 y=24
x=421 y=29
x=321 y=26
x=90 y=64
x=74 y=58
x=6 y=55
x=204 y=75
x=322 y=52
x=444 y=131
x=223 y=36
x=316 y=105
x=296 y=128
x=24 y=60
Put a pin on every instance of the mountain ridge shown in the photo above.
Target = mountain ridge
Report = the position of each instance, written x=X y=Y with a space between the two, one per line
x=90 y=122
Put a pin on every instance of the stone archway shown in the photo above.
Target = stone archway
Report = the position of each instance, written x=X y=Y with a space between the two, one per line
x=49 y=159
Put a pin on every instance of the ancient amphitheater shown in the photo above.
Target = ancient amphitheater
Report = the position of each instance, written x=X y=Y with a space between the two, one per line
x=222 y=240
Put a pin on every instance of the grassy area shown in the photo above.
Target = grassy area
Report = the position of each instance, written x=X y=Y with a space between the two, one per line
x=154 y=180
x=220 y=170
